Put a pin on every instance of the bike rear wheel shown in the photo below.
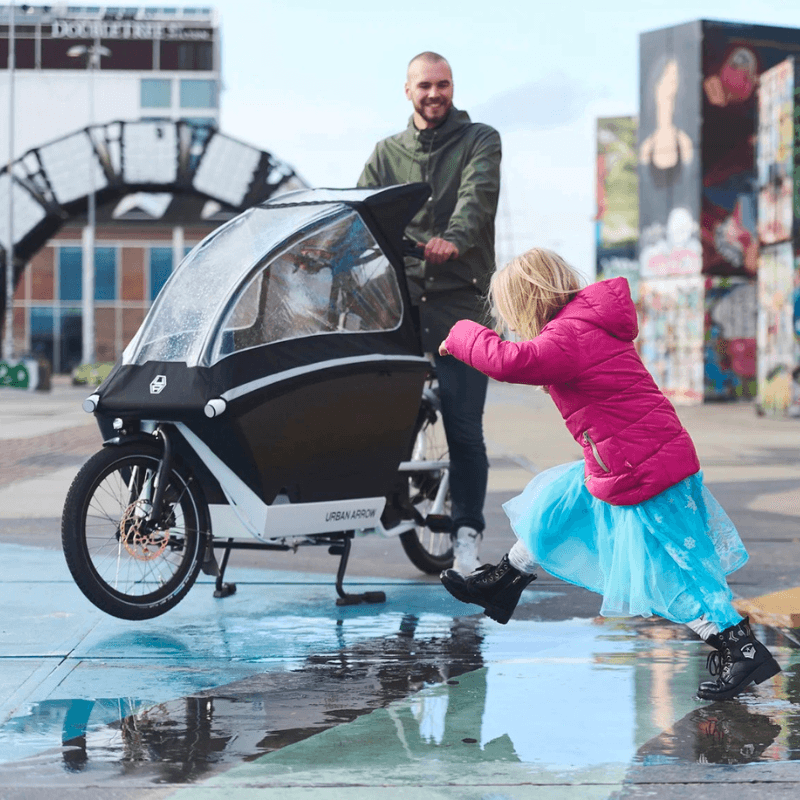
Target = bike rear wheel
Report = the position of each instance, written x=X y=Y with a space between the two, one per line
x=126 y=565
x=431 y=551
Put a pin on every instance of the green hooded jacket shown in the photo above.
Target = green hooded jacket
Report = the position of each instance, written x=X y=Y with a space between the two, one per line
x=460 y=159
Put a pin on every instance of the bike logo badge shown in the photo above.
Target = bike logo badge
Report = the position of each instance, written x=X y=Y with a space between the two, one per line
x=157 y=384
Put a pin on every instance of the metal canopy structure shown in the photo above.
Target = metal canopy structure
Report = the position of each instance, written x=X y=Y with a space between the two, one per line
x=52 y=183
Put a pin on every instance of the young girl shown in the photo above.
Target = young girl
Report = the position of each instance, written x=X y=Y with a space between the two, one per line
x=633 y=520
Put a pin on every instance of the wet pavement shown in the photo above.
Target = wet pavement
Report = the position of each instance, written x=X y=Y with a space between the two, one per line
x=277 y=691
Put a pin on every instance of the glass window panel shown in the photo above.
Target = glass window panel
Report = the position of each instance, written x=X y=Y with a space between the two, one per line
x=70 y=261
x=42 y=341
x=71 y=341
x=105 y=273
x=156 y=93
x=151 y=152
x=336 y=280
x=226 y=169
x=68 y=165
x=198 y=94
x=160 y=269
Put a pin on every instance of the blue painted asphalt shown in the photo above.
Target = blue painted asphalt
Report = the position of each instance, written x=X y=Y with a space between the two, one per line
x=274 y=669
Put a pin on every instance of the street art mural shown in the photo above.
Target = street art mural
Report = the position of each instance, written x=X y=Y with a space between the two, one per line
x=734 y=58
x=617 y=182
x=729 y=346
x=669 y=164
x=715 y=186
x=778 y=329
x=671 y=335
x=775 y=153
x=778 y=343
x=728 y=220
x=617 y=200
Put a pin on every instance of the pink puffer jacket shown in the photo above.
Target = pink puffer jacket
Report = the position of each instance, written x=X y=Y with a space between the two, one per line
x=633 y=443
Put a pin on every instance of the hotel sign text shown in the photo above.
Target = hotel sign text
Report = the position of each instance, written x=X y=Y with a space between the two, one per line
x=100 y=29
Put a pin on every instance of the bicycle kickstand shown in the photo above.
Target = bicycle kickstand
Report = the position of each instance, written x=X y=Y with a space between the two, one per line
x=344 y=598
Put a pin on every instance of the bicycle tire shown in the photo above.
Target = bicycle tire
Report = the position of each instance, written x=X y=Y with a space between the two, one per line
x=123 y=565
x=429 y=551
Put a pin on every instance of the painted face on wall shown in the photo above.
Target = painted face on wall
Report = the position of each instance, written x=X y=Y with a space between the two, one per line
x=736 y=80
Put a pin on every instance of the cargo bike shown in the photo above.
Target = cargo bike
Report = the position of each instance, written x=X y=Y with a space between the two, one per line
x=276 y=396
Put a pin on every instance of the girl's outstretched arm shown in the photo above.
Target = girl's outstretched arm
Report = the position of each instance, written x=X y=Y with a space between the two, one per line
x=552 y=357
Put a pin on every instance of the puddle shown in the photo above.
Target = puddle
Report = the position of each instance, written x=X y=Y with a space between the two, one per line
x=552 y=698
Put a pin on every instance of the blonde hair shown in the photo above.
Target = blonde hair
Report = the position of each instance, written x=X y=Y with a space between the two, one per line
x=530 y=290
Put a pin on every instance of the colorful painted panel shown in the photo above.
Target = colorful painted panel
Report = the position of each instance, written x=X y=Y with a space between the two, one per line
x=734 y=56
x=669 y=162
x=775 y=153
x=729 y=349
x=620 y=262
x=671 y=336
x=617 y=182
x=778 y=350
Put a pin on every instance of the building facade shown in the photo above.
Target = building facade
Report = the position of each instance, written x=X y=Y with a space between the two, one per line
x=76 y=67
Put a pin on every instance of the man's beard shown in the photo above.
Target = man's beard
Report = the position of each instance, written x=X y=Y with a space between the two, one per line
x=440 y=111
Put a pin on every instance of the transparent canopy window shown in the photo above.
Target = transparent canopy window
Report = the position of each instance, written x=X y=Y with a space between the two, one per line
x=225 y=297
x=335 y=280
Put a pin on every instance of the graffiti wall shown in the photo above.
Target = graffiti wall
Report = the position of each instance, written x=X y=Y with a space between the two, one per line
x=734 y=58
x=775 y=153
x=717 y=151
x=671 y=335
x=778 y=346
x=778 y=342
x=617 y=182
x=729 y=347
x=668 y=151
x=617 y=200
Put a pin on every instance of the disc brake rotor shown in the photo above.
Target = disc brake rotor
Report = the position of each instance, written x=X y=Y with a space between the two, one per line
x=142 y=542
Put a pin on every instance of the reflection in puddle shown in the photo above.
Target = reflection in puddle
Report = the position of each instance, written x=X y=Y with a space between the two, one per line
x=568 y=697
x=178 y=741
x=722 y=733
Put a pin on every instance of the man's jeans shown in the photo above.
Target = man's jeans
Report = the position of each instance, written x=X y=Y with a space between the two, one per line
x=462 y=391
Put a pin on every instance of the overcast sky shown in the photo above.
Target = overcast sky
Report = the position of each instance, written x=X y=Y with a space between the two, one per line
x=316 y=83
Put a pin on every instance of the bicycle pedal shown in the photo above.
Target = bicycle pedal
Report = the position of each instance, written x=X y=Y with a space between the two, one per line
x=439 y=523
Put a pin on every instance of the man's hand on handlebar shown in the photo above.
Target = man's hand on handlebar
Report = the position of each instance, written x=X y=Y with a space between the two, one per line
x=437 y=251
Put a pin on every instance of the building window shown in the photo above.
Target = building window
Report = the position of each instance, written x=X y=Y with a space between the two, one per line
x=156 y=93
x=42 y=341
x=70 y=339
x=105 y=273
x=160 y=269
x=198 y=94
x=70 y=260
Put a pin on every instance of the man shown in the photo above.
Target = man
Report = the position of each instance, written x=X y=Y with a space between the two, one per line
x=461 y=161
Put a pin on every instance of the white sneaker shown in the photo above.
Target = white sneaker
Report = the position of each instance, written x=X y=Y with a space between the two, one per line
x=465 y=550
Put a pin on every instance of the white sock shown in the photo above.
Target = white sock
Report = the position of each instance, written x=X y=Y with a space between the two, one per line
x=703 y=628
x=520 y=558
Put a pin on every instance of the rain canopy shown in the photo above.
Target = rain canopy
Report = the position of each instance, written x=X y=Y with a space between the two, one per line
x=273 y=273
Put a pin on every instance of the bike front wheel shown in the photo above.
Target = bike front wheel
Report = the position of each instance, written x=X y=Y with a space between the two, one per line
x=127 y=565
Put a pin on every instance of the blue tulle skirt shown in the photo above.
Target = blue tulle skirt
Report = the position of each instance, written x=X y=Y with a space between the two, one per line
x=666 y=556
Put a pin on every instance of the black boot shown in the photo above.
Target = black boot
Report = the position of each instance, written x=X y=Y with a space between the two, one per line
x=497 y=589
x=738 y=660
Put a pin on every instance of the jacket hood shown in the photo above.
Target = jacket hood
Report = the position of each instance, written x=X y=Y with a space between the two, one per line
x=608 y=305
x=433 y=138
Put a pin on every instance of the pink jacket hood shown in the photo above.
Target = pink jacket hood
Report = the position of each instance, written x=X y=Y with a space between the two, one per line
x=607 y=305
x=634 y=445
